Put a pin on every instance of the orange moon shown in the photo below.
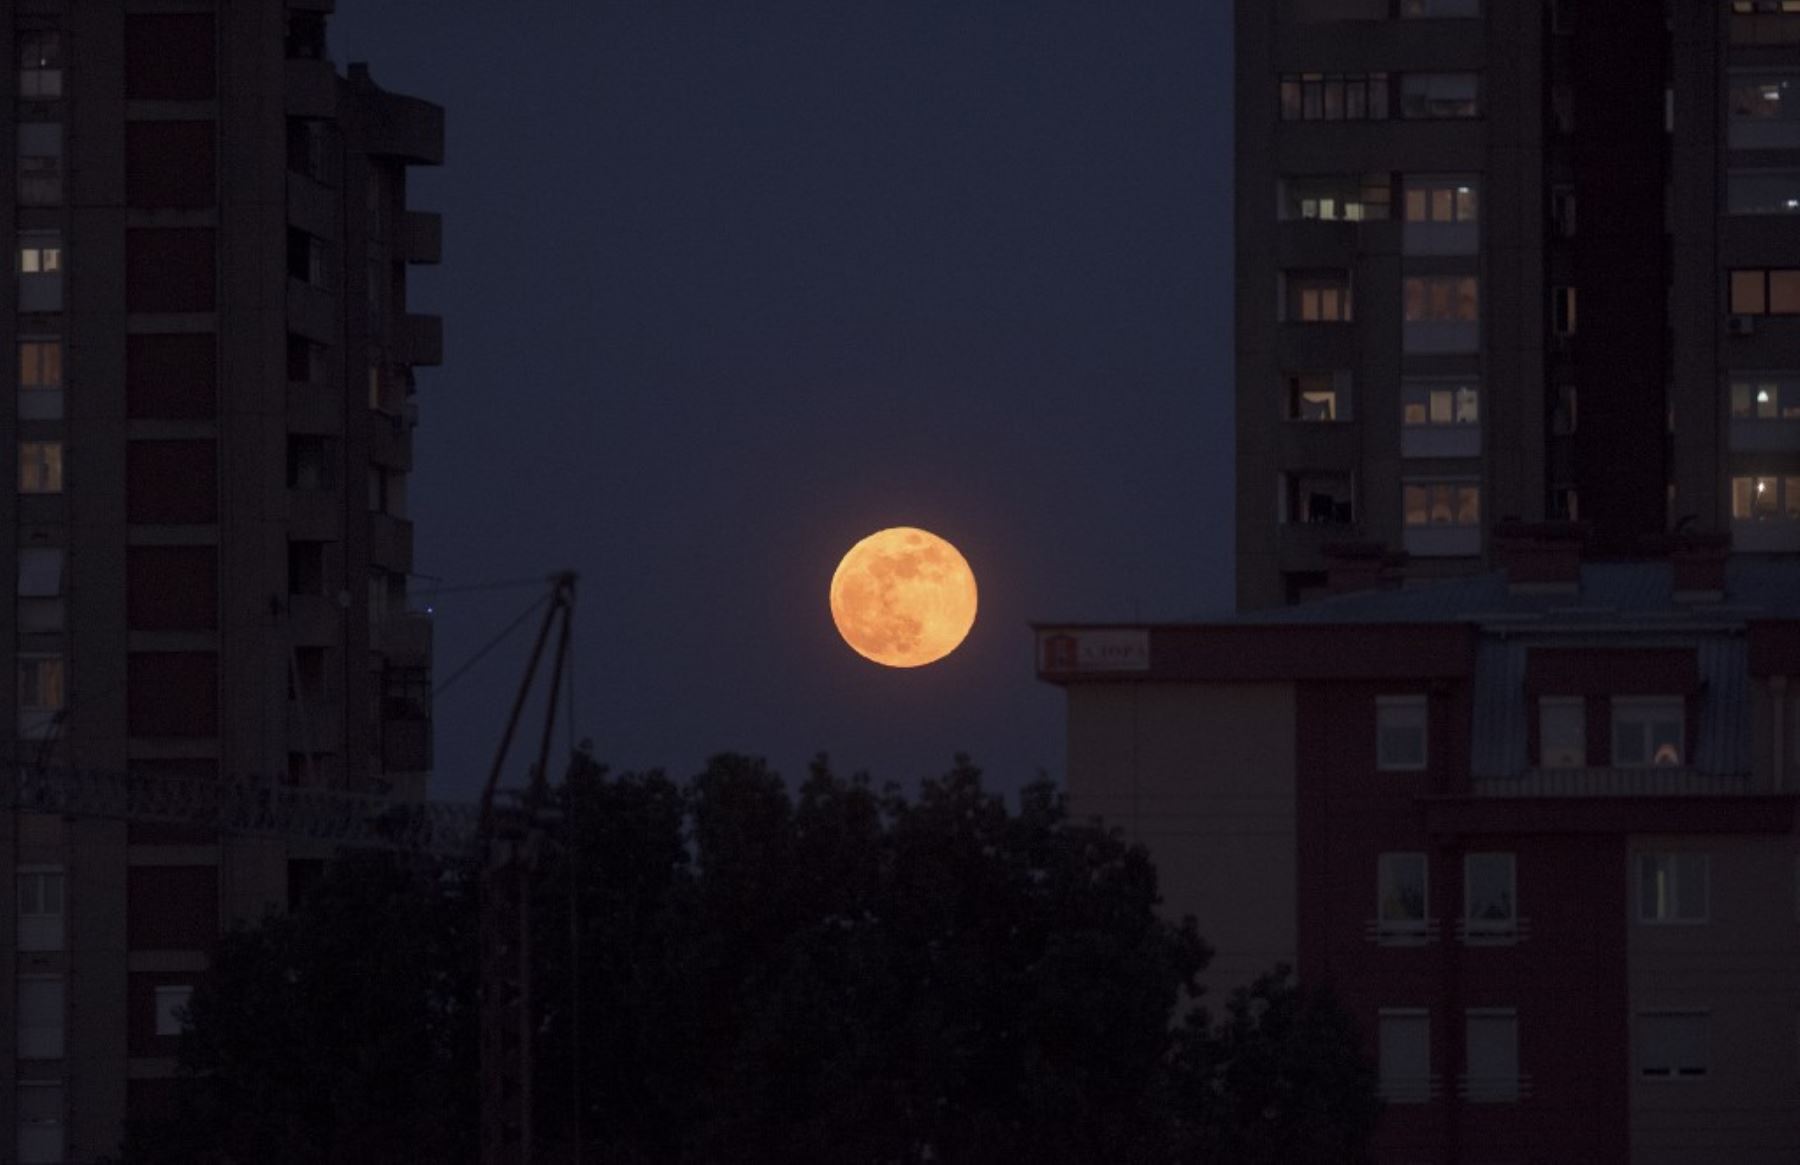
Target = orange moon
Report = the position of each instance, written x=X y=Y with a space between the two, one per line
x=903 y=597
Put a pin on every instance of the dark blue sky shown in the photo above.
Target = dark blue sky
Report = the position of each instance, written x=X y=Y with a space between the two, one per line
x=728 y=285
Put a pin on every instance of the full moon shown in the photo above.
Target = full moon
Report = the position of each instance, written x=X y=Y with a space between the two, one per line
x=903 y=597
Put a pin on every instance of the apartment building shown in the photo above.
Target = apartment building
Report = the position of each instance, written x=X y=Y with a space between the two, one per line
x=1513 y=260
x=213 y=377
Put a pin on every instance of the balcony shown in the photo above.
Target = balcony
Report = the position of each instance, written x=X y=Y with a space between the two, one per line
x=405 y=639
x=390 y=542
x=1618 y=782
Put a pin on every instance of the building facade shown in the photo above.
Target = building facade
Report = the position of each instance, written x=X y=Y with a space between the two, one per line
x=1513 y=259
x=1538 y=828
x=212 y=362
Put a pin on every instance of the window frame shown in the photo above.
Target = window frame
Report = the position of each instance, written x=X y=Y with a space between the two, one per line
x=36 y=927
x=1666 y=910
x=1295 y=389
x=1428 y=388
x=40 y=79
x=166 y=1024
x=1389 y=1023
x=1509 y=925
x=1389 y=888
x=1577 y=746
x=1646 y=712
x=1308 y=96
x=41 y=469
x=1421 y=297
x=1752 y=291
x=1424 y=100
x=1505 y=1088
x=1748 y=392
x=54 y=1047
x=1458 y=486
x=1644 y=1072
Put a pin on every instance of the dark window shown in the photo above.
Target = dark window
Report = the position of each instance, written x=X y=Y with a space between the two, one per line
x=171 y=482
x=306 y=568
x=171 y=908
x=169 y=270
x=171 y=377
x=169 y=57
x=169 y=163
x=309 y=462
x=171 y=588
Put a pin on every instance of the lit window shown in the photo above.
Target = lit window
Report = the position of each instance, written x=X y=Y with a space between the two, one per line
x=1765 y=498
x=1759 y=291
x=1488 y=903
x=1648 y=731
x=40 y=467
x=40 y=378
x=40 y=257
x=40 y=164
x=1491 y=1075
x=1400 y=732
x=1334 y=96
x=1440 y=403
x=1316 y=297
x=1766 y=398
x=1441 y=298
x=40 y=266
x=1672 y=1045
x=40 y=64
x=1672 y=887
x=1404 y=1054
x=171 y=1009
x=1400 y=893
x=1336 y=198
x=1318 y=396
x=1441 y=200
x=40 y=1017
x=1762 y=108
x=1433 y=95
x=40 y=922
x=1441 y=503
x=1768 y=22
x=1562 y=732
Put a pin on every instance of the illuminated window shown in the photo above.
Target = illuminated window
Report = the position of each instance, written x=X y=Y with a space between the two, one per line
x=40 y=64
x=1672 y=887
x=1758 y=291
x=1562 y=732
x=40 y=268
x=1400 y=893
x=40 y=467
x=1438 y=95
x=40 y=377
x=1400 y=733
x=1441 y=503
x=1648 y=731
x=1316 y=297
x=40 y=164
x=1765 y=498
x=1442 y=199
x=1441 y=298
x=1334 y=96
x=1440 y=402
x=1765 y=398
x=1336 y=197
x=1318 y=396
x=1765 y=21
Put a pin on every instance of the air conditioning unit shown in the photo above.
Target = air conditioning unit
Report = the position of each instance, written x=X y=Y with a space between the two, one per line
x=1743 y=325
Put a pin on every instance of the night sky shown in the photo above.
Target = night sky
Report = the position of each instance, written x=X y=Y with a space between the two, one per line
x=728 y=285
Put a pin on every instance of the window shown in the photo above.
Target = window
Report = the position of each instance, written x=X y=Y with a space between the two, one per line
x=1441 y=298
x=1765 y=22
x=171 y=1009
x=305 y=360
x=1316 y=297
x=40 y=922
x=1404 y=1053
x=309 y=463
x=1445 y=402
x=1318 y=396
x=1672 y=887
x=1492 y=1046
x=1765 y=498
x=1758 y=292
x=1648 y=731
x=40 y=467
x=1432 y=95
x=1762 y=108
x=40 y=1030
x=40 y=64
x=1563 y=415
x=40 y=378
x=1336 y=197
x=306 y=568
x=41 y=693
x=1334 y=96
x=40 y=268
x=1565 y=503
x=1562 y=310
x=40 y=589
x=1672 y=1045
x=40 y=1105
x=1442 y=503
x=1765 y=398
x=1762 y=192
x=1400 y=732
x=1488 y=903
x=306 y=257
x=1319 y=499
x=375 y=395
x=1562 y=732
x=1562 y=211
x=1400 y=893
x=1441 y=200
x=40 y=163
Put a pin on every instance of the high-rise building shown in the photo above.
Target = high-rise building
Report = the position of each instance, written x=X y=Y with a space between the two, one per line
x=212 y=365
x=1513 y=259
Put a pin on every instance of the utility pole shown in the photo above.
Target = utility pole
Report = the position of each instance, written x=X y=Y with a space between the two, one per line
x=512 y=838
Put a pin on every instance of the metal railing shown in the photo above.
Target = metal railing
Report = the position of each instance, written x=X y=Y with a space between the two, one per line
x=1618 y=782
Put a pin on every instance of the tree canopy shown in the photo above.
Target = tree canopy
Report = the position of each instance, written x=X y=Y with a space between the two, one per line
x=734 y=970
